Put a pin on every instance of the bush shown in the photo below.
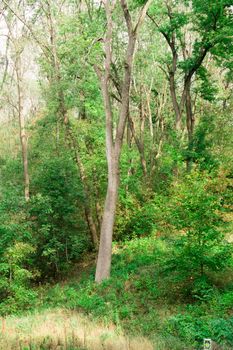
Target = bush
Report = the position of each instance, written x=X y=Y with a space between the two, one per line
x=200 y=248
x=193 y=329
x=59 y=231
x=15 y=277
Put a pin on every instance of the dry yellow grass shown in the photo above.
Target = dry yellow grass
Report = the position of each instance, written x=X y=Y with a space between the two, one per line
x=58 y=329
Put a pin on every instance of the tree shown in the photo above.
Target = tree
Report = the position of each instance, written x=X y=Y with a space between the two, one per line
x=56 y=82
x=52 y=63
x=17 y=45
x=195 y=209
x=211 y=23
x=114 y=146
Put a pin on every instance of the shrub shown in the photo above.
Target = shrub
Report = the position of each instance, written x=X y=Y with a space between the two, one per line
x=15 y=277
x=59 y=231
x=200 y=247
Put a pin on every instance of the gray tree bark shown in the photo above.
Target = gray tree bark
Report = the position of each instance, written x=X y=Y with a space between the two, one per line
x=113 y=147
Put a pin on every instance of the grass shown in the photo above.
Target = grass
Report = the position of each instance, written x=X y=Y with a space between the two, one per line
x=137 y=308
x=64 y=329
x=140 y=299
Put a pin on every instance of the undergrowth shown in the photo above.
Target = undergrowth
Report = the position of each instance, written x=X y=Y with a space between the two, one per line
x=142 y=299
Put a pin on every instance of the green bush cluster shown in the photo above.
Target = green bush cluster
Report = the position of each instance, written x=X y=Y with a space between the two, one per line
x=58 y=228
x=42 y=238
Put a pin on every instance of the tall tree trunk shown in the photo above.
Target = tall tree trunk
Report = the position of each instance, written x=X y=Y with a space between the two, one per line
x=105 y=248
x=190 y=122
x=113 y=148
x=62 y=116
x=175 y=104
x=87 y=208
x=22 y=131
x=130 y=161
x=140 y=146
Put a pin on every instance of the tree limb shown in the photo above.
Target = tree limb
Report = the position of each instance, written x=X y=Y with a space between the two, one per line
x=43 y=47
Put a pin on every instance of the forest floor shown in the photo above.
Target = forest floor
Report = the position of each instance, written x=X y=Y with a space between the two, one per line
x=138 y=308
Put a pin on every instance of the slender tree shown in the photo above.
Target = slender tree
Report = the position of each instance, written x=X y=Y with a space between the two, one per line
x=211 y=24
x=16 y=42
x=114 y=145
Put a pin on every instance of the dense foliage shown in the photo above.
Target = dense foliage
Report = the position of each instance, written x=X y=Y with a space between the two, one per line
x=172 y=231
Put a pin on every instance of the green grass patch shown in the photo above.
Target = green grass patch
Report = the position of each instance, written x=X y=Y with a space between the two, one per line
x=140 y=298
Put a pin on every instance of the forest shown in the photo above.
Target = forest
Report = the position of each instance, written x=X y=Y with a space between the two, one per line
x=116 y=174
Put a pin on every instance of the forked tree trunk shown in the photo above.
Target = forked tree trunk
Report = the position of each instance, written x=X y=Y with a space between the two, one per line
x=185 y=100
x=113 y=147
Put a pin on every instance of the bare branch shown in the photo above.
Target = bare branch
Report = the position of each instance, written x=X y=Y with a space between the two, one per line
x=43 y=47
x=142 y=15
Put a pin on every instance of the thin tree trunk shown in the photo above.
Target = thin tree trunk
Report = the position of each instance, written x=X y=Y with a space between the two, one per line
x=22 y=131
x=63 y=117
x=174 y=101
x=87 y=207
x=190 y=126
x=130 y=161
x=19 y=107
x=140 y=147
x=113 y=149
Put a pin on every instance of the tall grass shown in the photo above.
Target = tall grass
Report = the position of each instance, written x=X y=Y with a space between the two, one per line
x=60 y=329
